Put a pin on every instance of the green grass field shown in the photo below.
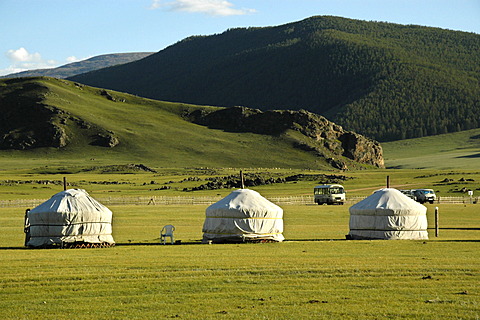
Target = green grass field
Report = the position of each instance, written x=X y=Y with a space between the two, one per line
x=460 y=150
x=315 y=274
x=31 y=183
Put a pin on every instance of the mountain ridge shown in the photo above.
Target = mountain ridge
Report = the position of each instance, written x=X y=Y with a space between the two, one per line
x=409 y=78
x=87 y=65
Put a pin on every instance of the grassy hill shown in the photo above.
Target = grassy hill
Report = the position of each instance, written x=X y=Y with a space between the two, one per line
x=387 y=81
x=72 y=69
x=460 y=150
x=46 y=118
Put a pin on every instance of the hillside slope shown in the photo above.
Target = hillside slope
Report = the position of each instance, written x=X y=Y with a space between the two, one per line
x=458 y=150
x=384 y=80
x=53 y=118
x=72 y=69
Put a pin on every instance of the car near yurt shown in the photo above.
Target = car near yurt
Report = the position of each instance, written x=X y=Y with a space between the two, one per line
x=69 y=219
x=390 y=215
x=243 y=216
x=425 y=195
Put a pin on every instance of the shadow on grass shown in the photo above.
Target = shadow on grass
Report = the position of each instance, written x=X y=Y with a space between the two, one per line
x=144 y=244
x=155 y=244
x=477 y=155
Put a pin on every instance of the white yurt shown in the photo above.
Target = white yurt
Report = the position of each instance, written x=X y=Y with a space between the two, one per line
x=69 y=218
x=388 y=214
x=243 y=215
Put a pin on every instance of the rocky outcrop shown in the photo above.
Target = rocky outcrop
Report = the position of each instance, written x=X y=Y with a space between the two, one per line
x=326 y=138
x=40 y=125
x=49 y=129
x=361 y=149
x=105 y=139
x=27 y=122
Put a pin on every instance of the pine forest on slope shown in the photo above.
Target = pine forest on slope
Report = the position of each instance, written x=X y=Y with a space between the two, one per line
x=383 y=80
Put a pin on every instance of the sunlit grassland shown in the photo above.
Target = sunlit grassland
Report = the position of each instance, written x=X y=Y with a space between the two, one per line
x=148 y=184
x=460 y=150
x=314 y=274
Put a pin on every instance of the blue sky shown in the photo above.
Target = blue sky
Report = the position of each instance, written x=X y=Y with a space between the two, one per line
x=48 y=33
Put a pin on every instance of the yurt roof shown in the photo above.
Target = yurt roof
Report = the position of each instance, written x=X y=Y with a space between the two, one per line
x=388 y=198
x=245 y=202
x=71 y=201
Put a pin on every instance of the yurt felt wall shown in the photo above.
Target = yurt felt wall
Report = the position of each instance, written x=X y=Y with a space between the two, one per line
x=388 y=214
x=241 y=216
x=67 y=217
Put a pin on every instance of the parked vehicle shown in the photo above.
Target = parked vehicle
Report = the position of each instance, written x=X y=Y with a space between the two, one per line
x=329 y=194
x=425 y=195
x=409 y=193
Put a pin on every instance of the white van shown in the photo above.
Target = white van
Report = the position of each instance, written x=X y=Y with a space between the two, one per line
x=329 y=194
x=425 y=195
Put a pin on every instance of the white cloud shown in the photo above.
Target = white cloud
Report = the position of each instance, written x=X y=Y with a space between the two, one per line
x=22 y=60
x=72 y=59
x=210 y=7
x=22 y=55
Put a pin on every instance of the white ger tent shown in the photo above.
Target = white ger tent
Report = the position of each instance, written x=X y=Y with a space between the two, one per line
x=69 y=217
x=388 y=214
x=243 y=215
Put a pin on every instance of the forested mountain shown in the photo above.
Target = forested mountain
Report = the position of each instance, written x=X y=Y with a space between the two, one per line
x=384 y=80
x=72 y=69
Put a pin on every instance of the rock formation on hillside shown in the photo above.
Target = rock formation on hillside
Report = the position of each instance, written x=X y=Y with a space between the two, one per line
x=27 y=122
x=47 y=126
x=326 y=138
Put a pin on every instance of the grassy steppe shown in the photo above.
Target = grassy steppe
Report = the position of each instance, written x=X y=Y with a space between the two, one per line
x=460 y=150
x=315 y=274
x=105 y=181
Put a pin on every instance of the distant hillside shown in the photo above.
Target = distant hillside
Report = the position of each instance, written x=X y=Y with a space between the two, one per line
x=384 y=80
x=72 y=69
x=59 y=119
x=458 y=150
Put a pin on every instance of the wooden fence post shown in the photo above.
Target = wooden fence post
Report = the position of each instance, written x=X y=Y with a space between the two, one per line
x=242 y=179
x=436 y=222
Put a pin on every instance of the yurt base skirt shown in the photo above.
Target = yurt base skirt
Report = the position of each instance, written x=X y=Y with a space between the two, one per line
x=74 y=245
x=210 y=238
x=387 y=235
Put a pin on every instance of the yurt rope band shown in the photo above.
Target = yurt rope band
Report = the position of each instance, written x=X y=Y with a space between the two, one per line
x=68 y=236
x=70 y=224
